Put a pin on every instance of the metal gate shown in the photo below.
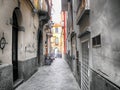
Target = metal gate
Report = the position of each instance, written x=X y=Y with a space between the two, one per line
x=73 y=51
x=85 y=66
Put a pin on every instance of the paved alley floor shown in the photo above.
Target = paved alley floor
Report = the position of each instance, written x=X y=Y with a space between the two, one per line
x=57 y=76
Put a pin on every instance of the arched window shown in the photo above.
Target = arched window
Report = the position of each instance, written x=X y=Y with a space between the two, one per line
x=56 y=40
x=56 y=30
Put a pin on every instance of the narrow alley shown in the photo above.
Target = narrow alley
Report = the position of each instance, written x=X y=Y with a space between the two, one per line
x=59 y=44
x=57 y=76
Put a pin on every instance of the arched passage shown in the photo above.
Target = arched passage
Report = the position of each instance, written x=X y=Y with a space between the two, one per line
x=15 y=27
x=39 y=53
x=56 y=50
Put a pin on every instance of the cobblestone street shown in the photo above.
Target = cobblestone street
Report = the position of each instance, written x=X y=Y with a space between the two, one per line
x=58 y=76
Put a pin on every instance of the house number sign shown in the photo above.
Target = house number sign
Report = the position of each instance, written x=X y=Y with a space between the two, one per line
x=2 y=42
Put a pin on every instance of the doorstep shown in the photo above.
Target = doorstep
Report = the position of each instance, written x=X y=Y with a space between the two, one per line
x=17 y=83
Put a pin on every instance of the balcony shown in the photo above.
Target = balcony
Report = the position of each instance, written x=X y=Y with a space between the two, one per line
x=39 y=4
x=83 y=8
x=42 y=8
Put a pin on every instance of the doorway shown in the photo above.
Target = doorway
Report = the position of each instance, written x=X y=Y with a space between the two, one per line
x=15 y=46
x=39 y=47
x=73 y=53
x=56 y=50
x=85 y=66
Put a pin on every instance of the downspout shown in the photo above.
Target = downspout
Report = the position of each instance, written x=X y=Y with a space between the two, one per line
x=30 y=3
x=64 y=14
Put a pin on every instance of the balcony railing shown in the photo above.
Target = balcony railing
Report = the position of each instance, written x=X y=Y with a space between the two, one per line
x=83 y=6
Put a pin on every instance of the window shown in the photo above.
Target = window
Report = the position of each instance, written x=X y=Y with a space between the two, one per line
x=56 y=40
x=56 y=30
x=96 y=41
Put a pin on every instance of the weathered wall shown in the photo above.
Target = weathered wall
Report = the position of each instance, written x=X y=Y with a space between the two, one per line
x=28 y=39
x=6 y=11
x=101 y=83
x=84 y=51
x=44 y=39
x=43 y=5
x=27 y=42
x=27 y=68
x=6 y=77
x=78 y=48
x=105 y=21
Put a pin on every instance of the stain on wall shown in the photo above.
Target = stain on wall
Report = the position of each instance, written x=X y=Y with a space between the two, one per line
x=104 y=20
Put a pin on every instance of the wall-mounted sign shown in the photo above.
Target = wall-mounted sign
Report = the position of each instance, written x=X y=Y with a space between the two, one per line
x=2 y=42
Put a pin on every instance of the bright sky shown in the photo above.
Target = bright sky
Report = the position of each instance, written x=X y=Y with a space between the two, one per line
x=56 y=16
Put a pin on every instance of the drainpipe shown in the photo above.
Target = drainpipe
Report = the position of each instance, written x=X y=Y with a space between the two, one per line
x=30 y=3
x=64 y=15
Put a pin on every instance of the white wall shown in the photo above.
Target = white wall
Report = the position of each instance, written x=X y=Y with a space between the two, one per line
x=27 y=39
x=6 y=11
x=28 y=45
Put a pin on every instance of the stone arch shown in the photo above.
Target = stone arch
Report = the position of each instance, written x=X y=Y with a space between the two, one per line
x=40 y=46
x=18 y=13
x=56 y=50
x=16 y=35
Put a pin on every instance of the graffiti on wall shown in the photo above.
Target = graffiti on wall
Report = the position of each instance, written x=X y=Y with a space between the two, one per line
x=30 y=48
x=3 y=42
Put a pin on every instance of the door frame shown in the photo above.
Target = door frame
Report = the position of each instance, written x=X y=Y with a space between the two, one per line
x=15 y=46
x=85 y=41
x=18 y=19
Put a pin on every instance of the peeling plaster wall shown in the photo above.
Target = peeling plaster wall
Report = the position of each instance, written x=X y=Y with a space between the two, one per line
x=6 y=11
x=28 y=40
x=6 y=77
x=105 y=21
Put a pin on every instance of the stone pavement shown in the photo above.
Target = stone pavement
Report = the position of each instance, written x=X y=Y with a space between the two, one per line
x=57 y=76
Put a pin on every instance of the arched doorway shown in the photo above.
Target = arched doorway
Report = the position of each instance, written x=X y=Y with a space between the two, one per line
x=15 y=27
x=56 y=50
x=39 y=47
x=15 y=46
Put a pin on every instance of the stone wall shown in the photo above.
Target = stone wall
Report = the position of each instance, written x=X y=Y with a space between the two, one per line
x=27 y=68
x=27 y=40
x=98 y=82
x=6 y=11
x=6 y=77
x=27 y=48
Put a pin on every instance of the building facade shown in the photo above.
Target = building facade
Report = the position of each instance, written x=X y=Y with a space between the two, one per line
x=93 y=43
x=105 y=52
x=20 y=26
x=56 y=40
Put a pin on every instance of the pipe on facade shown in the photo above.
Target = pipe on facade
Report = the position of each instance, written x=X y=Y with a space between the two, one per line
x=30 y=3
